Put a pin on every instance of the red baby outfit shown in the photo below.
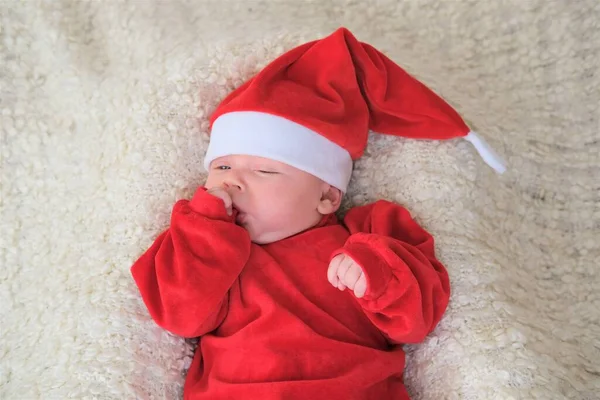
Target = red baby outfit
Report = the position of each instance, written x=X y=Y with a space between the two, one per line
x=271 y=325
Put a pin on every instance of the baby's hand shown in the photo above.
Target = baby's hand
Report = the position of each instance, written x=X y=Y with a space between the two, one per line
x=344 y=273
x=222 y=193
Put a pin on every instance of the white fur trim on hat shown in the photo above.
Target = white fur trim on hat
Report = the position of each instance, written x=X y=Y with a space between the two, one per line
x=277 y=138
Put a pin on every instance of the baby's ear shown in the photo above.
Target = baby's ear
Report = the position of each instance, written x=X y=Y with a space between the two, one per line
x=331 y=199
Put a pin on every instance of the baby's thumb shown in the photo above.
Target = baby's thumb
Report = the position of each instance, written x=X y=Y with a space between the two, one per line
x=228 y=204
x=221 y=193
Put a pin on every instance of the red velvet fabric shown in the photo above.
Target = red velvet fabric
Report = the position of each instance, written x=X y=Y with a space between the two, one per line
x=271 y=325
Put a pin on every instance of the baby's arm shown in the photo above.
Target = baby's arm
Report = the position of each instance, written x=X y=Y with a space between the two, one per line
x=407 y=287
x=185 y=275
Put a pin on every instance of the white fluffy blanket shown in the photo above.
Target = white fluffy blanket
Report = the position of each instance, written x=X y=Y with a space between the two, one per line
x=104 y=110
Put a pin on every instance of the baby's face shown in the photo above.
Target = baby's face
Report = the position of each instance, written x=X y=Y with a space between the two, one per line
x=273 y=199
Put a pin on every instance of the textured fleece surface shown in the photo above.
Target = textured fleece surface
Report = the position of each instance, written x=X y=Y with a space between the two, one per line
x=104 y=109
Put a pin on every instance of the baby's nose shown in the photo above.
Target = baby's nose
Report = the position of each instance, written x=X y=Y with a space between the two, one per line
x=233 y=184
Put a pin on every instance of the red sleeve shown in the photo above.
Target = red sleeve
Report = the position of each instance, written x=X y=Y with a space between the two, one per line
x=184 y=277
x=407 y=287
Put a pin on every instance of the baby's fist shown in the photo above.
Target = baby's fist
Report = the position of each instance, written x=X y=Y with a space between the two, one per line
x=344 y=273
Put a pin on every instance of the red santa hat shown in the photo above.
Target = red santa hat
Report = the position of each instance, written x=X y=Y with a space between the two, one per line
x=312 y=108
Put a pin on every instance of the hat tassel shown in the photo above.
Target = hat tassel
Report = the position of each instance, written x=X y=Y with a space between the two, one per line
x=486 y=152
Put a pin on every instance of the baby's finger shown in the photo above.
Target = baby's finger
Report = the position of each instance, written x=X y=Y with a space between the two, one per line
x=229 y=206
x=228 y=203
x=345 y=264
x=222 y=193
x=361 y=286
x=352 y=275
x=332 y=270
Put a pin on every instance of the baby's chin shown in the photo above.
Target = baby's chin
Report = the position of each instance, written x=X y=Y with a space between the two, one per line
x=267 y=233
x=266 y=238
x=262 y=237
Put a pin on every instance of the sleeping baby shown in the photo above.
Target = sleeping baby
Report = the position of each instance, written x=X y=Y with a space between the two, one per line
x=288 y=301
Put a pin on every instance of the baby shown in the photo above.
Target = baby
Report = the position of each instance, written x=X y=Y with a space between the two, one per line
x=289 y=302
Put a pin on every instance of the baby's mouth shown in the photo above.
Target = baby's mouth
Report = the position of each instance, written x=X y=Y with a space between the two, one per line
x=240 y=217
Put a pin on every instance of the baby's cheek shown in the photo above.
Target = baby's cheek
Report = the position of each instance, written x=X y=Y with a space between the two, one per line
x=276 y=216
x=274 y=210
